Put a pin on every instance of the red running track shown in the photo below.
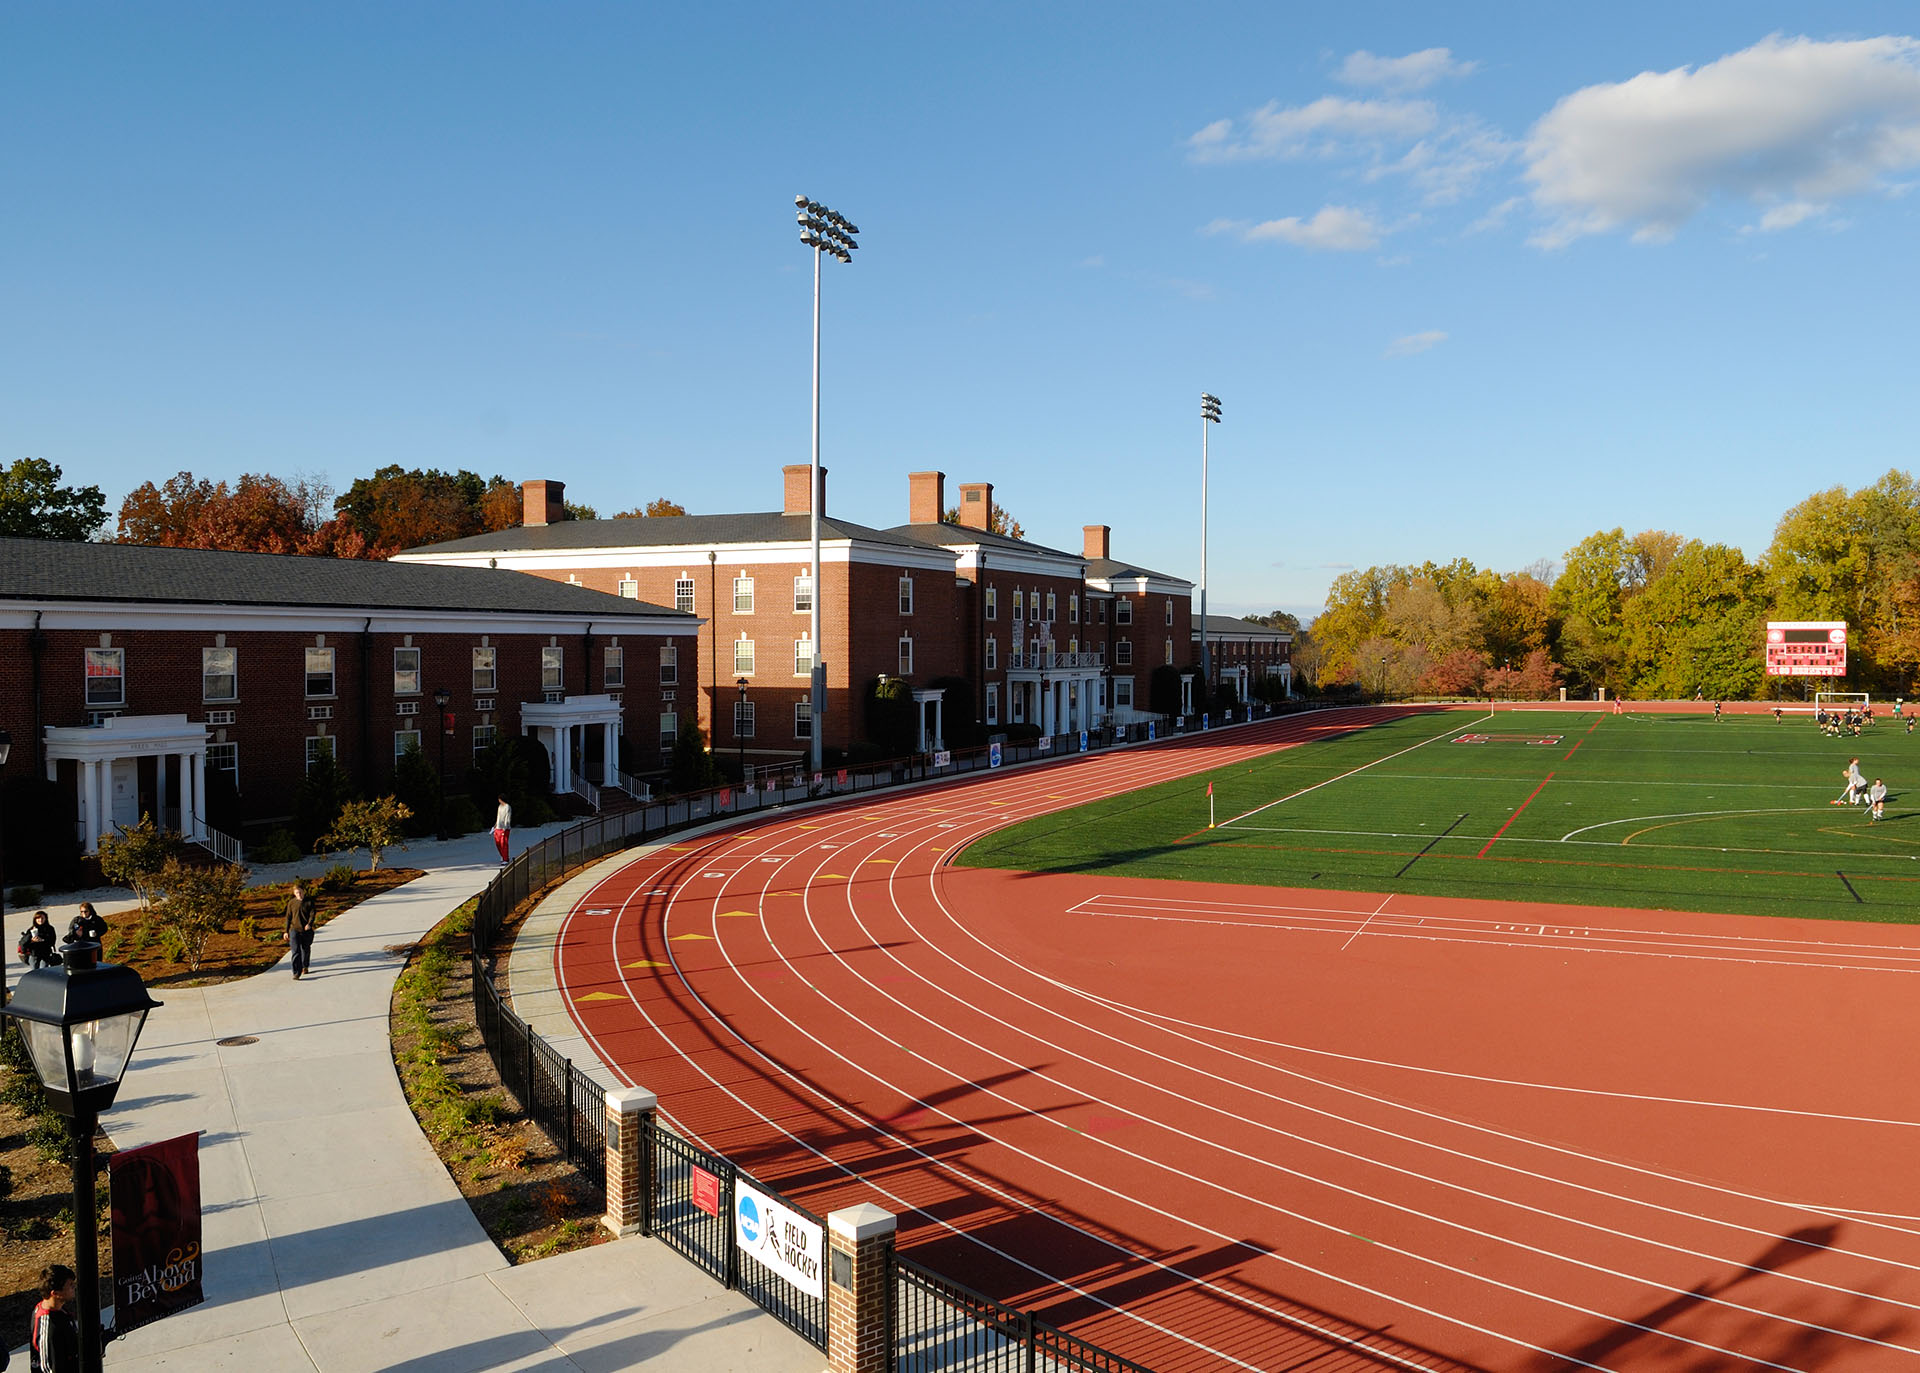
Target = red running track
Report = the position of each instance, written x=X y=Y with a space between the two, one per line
x=1220 y=1127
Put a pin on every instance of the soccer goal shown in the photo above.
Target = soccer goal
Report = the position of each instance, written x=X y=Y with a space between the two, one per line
x=1840 y=702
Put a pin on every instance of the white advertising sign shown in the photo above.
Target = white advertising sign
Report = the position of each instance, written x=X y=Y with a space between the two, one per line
x=781 y=1239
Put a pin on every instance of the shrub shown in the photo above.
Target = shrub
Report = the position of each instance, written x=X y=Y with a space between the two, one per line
x=418 y=786
x=198 y=904
x=278 y=847
x=959 y=713
x=375 y=825
x=136 y=855
x=319 y=799
x=889 y=712
x=1163 y=690
x=21 y=897
x=339 y=877
x=692 y=767
x=463 y=817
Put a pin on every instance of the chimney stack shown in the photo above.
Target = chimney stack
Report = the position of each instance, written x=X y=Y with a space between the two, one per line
x=542 y=502
x=976 y=505
x=1095 y=540
x=799 y=497
x=926 y=497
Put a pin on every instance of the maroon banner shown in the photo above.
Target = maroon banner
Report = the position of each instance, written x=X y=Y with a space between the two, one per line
x=156 y=1231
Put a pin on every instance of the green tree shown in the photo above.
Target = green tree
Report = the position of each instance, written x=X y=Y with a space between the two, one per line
x=318 y=799
x=654 y=508
x=1588 y=596
x=399 y=508
x=959 y=712
x=1698 y=626
x=417 y=785
x=999 y=521
x=1163 y=690
x=135 y=856
x=690 y=767
x=889 y=714
x=34 y=505
x=199 y=902
x=375 y=825
x=1356 y=611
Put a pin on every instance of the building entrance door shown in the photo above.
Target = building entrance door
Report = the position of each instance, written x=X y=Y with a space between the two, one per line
x=125 y=809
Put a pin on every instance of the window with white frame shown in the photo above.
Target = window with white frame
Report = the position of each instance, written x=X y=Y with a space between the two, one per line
x=743 y=657
x=1122 y=652
x=993 y=703
x=219 y=674
x=1073 y=609
x=743 y=595
x=993 y=654
x=803 y=657
x=906 y=595
x=743 y=719
x=1169 y=605
x=906 y=655
x=803 y=592
x=483 y=737
x=1123 y=693
x=406 y=672
x=106 y=676
x=669 y=665
x=225 y=758
x=669 y=730
x=630 y=588
x=1103 y=611
x=1019 y=602
x=1169 y=656
x=1049 y=607
x=553 y=669
x=615 y=673
x=483 y=668
x=1123 y=611
x=1017 y=706
x=993 y=603
x=318 y=746
x=683 y=594
x=319 y=672
x=803 y=719
x=404 y=739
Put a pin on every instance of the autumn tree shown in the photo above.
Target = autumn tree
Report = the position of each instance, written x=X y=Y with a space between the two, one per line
x=34 y=505
x=257 y=514
x=398 y=507
x=654 y=508
x=999 y=521
x=1697 y=626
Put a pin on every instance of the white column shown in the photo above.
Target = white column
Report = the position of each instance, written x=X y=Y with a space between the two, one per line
x=940 y=723
x=919 y=726
x=610 y=750
x=90 y=814
x=200 y=793
x=1046 y=708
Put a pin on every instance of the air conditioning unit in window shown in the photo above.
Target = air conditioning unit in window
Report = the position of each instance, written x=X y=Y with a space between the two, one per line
x=219 y=717
x=408 y=708
x=319 y=712
x=554 y=698
x=483 y=703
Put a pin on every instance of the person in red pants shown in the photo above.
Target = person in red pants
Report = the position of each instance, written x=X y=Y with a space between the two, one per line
x=502 y=822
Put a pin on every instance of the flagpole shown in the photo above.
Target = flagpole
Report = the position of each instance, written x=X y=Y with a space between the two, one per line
x=1209 y=805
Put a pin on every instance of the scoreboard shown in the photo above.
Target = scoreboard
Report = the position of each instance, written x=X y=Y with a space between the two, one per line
x=1806 y=648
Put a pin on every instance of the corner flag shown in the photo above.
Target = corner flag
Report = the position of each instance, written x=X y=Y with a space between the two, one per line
x=1210 y=805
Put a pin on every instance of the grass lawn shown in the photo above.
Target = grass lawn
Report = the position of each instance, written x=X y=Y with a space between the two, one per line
x=1648 y=811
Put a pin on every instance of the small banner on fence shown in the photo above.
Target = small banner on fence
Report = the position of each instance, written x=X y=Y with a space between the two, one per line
x=993 y=755
x=155 y=1191
x=705 y=1190
x=942 y=758
x=1203 y=722
x=1045 y=745
x=782 y=1239
x=1150 y=731
x=1083 y=741
x=839 y=778
x=726 y=797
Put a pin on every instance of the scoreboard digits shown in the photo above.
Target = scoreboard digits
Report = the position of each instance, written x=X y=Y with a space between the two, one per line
x=1806 y=648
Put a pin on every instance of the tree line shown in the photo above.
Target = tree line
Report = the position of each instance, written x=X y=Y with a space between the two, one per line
x=1648 y=615
x=376 y=517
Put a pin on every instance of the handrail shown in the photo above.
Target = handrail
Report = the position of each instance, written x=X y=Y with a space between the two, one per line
x=587 y=791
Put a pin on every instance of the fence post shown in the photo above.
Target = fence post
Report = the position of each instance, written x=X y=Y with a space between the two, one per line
x=859 y=1304
x=629 y=1160
x=566 y=1079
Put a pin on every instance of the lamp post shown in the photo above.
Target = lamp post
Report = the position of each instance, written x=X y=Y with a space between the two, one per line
x=739 y=735
x=825 y=232
x=441 y=698
x=1209 y=414
x=80 y=1022
x=1383 y=681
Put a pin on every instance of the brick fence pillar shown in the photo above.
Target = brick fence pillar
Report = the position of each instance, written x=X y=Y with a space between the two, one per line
x=629 y=1161
x=859 y=1306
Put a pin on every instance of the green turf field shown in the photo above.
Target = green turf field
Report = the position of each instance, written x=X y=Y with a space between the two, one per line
x=1650 y=811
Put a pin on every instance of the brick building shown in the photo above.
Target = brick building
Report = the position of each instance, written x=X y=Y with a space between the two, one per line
x=128 y=673
x=1031 y=629
x=1245 y=653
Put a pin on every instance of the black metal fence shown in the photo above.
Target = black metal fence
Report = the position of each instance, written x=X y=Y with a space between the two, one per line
x=941 y=1326
x=938 y=1323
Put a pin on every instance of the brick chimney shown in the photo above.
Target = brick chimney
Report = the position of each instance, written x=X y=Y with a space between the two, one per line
x=542 y=502
x=1095 y=540
x=926 y=497
x=976 y=504
x=799 y=477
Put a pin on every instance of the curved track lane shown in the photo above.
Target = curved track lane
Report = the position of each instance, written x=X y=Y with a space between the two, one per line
x=1219 y=1127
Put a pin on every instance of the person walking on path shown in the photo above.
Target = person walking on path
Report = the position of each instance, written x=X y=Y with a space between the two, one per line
x=1877 y=798
x=38 y=941
x=300 y=921
x=89 y=924
x=502 y=823
x=53 y=1342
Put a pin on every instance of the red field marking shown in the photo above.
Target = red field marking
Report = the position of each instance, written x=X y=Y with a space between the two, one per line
x=1464 y=1155
x=1582 y=739
x=1515 y=816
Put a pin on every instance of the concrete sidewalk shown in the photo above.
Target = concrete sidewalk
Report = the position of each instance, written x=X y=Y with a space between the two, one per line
x=334 y=1239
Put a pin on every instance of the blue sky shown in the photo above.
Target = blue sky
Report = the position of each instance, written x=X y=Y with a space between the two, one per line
x=1469 y=284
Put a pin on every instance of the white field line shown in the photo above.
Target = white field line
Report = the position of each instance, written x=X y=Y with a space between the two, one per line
x=1451 y=729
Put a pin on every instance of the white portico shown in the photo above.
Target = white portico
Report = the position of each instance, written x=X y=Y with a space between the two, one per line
x=110 y=783
x=925 y=741
x=563 y=725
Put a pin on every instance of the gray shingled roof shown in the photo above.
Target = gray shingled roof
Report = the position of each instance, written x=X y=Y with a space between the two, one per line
x=959 y=535
x=655 y=531
x=1227 y=624
x=50 y=569
x=1108 y=570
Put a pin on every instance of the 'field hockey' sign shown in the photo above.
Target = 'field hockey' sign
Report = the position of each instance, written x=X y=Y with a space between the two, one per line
x=780 y=1238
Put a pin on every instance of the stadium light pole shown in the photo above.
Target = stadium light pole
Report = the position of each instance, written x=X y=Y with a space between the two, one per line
x=825 y=232
x=1209 y=414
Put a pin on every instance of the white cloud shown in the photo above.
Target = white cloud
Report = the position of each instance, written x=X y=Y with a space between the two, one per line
x=1330 y=125
x=1409 y=344
x=1097 y=260
x=1497 y=216
x=1416 y=71
x=1788 y=122
x=1336 y=228
x=1786 y=216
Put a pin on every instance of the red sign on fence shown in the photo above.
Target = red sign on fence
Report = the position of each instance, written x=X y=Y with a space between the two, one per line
x=706 y=1191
